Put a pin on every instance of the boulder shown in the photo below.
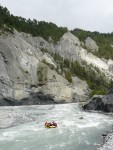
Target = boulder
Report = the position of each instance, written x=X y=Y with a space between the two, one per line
x=58 y=91
x=91 y=44
x=80 y=89
x=100 y=103
x=68 y=46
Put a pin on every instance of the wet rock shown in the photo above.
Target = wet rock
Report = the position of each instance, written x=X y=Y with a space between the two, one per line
x=81 y=118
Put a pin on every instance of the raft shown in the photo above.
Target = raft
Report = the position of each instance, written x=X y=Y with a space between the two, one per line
x=50 y=126
x=47 y=125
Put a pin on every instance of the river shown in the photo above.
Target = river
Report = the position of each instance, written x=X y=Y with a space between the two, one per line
x=77 y=129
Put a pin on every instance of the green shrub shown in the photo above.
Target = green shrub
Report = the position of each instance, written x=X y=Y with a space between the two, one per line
x=48 y=64
x=98 y=92
x=68 y=76
x=42 y=75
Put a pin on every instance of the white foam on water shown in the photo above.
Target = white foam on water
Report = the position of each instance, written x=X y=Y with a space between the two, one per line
x=88 y=125
x=34 y=127
x=68 y=123
x=5 y=134
x=60 y=131
x=10 y=135
x=83 y=133
x=87 y=142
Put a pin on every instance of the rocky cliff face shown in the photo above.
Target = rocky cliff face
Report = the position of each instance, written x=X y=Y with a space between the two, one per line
x=91 y=44
x=70 y=47
x=22 y=71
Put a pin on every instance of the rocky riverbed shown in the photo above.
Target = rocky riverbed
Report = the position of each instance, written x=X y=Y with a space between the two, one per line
x=108 y=142
x=12 y=117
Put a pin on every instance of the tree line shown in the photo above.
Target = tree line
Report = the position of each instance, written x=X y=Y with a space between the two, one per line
x=34 y=27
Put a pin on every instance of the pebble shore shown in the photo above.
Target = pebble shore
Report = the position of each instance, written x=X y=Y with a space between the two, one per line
x=11 y=118
x=108 y=142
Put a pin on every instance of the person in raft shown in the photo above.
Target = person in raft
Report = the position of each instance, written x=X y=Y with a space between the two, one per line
x=51 y=124
x=54 y=124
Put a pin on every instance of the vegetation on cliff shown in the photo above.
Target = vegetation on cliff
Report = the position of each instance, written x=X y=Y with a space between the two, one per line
x=95 y=79
x=103 y=40
x=42 y=75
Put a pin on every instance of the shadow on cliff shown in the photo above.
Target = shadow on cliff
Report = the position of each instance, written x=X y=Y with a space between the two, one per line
x=34 y=99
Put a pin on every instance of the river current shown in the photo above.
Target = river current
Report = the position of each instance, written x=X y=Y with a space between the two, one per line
x=77 y=129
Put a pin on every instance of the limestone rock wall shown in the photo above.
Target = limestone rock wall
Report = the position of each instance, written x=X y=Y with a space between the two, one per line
x=70 y=47
x=91 y=44
x=21 y=58
x=20 y=63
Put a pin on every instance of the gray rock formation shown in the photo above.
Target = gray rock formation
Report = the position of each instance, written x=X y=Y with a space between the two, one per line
x=22 y=71
x=110 y=64
x=58 y=87
x=100 y=103
x=112 y=45
x=91 y=44
x=81 y=88
x=70 y=47
x=21 y=67
x=37 y=98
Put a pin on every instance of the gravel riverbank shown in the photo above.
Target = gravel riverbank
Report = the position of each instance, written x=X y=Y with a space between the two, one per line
x=108 y=142
x=10 y=118
x=13 y=116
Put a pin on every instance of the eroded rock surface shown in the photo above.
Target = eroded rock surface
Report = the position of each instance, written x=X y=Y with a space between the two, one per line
x=100 y=103
x=91 y=44
x=23 y=72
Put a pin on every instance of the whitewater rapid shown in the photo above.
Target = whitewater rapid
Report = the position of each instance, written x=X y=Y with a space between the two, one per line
x=77 y=130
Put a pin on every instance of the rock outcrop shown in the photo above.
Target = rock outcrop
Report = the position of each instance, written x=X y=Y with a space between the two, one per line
x=100 y=103
x=33 y=99
x=80 y=90
x=91 y=44
x=69 y=47
x=22 y=71
x=26 y=67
